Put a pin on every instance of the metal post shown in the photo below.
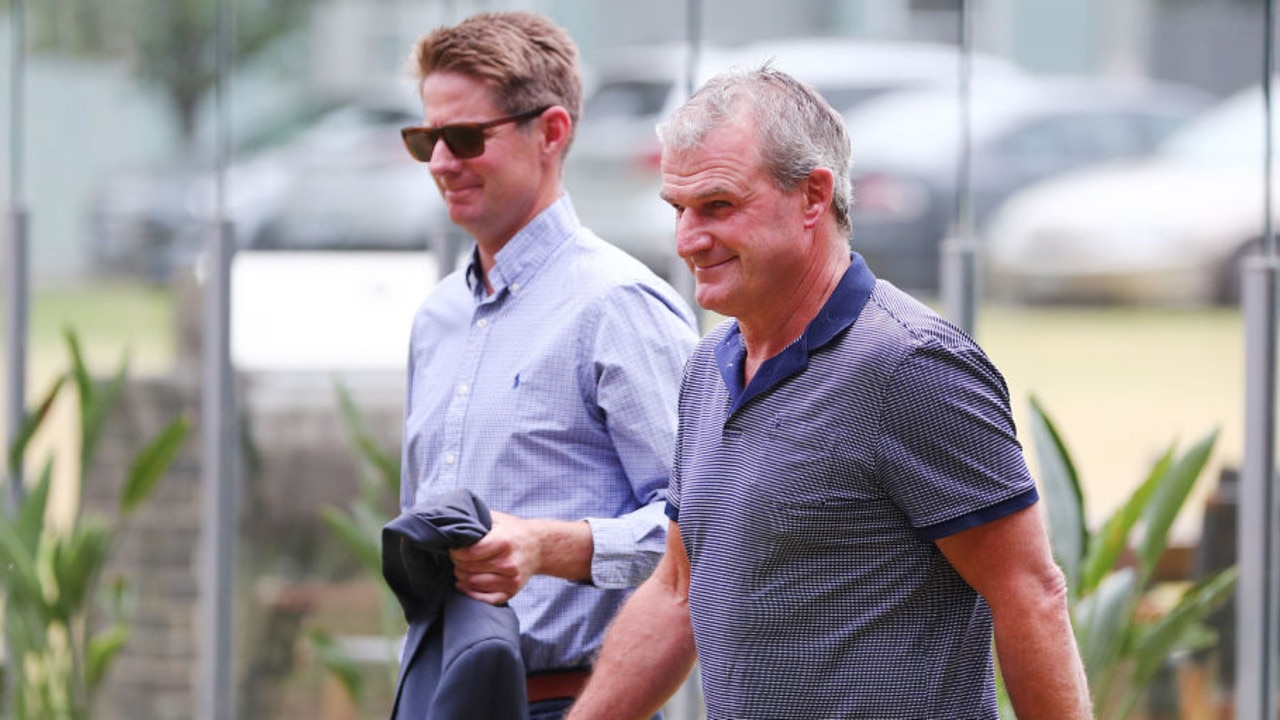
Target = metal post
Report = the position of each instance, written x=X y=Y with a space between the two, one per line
x=693 y=24
x=16 y=260
x=687 y=702
x=677 y=271
x=1256 y=594
x=958 y=281
x=219 y=506
x=958 y=278
x=1256 y=550
x=218 y=482
x=17 y=294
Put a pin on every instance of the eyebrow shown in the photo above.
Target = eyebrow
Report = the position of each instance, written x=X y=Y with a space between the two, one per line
x=711 y=192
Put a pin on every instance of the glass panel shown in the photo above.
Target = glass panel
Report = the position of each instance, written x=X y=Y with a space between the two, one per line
x=1109 y=241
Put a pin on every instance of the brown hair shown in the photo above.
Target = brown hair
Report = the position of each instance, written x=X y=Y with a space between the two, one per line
x=526 y=60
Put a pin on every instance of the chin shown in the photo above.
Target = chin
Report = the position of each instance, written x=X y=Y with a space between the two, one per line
x=463 y=217
x=708 y=299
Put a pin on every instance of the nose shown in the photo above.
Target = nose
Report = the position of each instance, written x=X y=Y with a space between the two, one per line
x=442 y=158
x=691 y=236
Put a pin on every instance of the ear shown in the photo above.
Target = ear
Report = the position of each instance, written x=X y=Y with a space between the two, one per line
x=819 y=189
x=556 y=127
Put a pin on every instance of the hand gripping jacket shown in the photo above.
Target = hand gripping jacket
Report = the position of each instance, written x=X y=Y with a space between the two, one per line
x=461 y=656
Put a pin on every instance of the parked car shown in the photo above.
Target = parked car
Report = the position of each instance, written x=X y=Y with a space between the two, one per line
x=1169 y=229
x=907 y=145
x=343 y=181
x=612 y=172
x=339 y=233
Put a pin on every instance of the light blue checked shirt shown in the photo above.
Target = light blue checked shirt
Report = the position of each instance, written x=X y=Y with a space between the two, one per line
x=554 y=397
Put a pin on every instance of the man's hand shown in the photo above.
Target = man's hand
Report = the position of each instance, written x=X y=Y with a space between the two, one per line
x=515 y=549
x=496 y=568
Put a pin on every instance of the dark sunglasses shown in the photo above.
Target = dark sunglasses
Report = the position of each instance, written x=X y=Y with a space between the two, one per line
x=464 y=140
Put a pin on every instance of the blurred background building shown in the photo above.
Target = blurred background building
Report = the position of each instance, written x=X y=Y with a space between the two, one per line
x=98 y=87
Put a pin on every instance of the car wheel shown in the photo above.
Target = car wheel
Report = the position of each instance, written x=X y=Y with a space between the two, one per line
x=1230 y=275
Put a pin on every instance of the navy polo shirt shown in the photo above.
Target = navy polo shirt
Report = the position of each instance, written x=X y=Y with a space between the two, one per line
x=808 y=502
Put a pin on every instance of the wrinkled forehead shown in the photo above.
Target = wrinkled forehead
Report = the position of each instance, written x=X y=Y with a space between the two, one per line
x=724 y=163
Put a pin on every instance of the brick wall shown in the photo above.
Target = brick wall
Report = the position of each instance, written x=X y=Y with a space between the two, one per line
x=295 y=460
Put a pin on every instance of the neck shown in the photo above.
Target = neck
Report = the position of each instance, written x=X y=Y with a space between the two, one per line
x=769 y=333
x=489 y=247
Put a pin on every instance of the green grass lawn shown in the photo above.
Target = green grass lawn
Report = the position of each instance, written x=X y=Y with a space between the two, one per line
x=113 y=321
x=110 y=319
x=1122 y=384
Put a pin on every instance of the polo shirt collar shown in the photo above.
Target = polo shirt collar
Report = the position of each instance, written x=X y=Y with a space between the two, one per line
x=837 y=314
x=527 y=251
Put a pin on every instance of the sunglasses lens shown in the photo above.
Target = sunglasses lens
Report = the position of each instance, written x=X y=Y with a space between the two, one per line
x=464 y=142
x=419 y=142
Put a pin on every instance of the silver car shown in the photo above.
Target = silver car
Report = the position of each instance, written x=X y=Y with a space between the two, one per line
x=1168 y=230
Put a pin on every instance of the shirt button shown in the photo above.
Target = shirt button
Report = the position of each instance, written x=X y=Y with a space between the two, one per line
x=462 y=389
x=515 y=287
x=482 y=322
x=450 y=458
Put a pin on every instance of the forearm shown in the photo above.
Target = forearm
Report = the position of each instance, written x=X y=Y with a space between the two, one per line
x=1041 y=666
x=564 y=548
x=496 y=568
x=1009 y=563
x=647 y=654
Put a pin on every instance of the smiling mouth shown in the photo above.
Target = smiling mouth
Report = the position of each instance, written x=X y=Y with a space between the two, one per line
x=452 y=192
x=702 y=267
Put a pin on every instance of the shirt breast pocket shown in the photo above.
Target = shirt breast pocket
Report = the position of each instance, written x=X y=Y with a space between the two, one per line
x=816 y=471
x=545 y=403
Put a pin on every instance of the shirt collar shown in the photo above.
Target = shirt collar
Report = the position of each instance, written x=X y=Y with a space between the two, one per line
x=527 y=250
x=837 y=314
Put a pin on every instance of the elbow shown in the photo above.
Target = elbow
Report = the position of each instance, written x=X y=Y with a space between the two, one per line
x=1042 y=594
x=1046 y=593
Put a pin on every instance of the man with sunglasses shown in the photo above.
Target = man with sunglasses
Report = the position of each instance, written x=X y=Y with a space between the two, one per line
x=543 y=375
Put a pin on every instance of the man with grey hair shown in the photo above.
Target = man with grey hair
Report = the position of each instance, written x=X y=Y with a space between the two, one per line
x=852 y=519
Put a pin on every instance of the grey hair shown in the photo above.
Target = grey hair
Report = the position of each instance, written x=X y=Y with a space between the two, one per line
x=798 y=130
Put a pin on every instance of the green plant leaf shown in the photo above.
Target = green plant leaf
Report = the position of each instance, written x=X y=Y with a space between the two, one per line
x=151 y=464
x=84 y=381
x=95 y=411
x=20 y=549
x=101 y=651
x=1181 y=629
x=31 y=424
x=21 y=576
x=35 y=502
x=77 y=561
x=1181 y=625
x=1111 y=541
x=1064 y=501
x=51 y=576
x=1102 y=621
x=339 y=664
x=355 y=537
x=1167 y=501
x=385 y=463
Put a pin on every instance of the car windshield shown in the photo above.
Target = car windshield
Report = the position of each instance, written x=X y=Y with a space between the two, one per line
x=627 y=100
x=847 y=97
x=1231 y=132
x=914 y=127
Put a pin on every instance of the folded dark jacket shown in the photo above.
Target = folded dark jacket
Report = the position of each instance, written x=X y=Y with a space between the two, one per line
x=461 y=656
